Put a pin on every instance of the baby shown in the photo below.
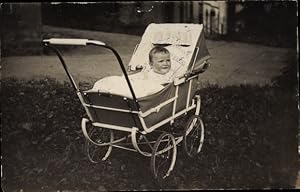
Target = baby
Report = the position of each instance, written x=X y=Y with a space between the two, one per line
x=160 y=67
x=146 y=82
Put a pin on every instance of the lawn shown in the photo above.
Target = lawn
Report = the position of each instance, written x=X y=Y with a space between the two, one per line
x=250 y=142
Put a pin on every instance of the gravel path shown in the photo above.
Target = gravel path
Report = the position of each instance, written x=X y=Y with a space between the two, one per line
x=233 y=63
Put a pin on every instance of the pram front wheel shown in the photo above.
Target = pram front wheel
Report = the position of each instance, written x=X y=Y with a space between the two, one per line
x=100 y=149
x=193 y=136
x=163 y=156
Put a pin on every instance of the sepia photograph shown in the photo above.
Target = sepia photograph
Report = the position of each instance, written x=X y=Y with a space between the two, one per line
x=149 y=95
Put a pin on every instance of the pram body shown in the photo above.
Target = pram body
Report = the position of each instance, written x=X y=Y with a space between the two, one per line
x=127 y=122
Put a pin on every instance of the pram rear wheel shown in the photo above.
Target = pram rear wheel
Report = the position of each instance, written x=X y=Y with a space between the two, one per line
x=163 y=156
x=102 y=137
x=193 y=136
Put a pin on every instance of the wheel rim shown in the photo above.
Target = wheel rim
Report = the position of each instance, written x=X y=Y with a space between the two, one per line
x=99 y=153
x=194 y=136
x=163 y=156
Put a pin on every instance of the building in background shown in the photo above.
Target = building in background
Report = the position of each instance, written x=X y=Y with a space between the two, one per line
x=271 y=23
x=215 y=17
x=125 y=17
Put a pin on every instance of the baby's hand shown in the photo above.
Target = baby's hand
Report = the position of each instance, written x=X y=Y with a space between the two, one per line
x=135 y=69
x=139 y=67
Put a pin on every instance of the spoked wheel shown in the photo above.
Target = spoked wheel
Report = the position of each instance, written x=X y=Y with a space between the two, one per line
x=193 y=136
x=163 y=156
x=100 y=150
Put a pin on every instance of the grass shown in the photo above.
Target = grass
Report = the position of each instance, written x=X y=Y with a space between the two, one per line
x=250 y=142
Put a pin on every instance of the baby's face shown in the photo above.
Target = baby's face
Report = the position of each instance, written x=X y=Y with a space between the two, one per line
x=161 y=63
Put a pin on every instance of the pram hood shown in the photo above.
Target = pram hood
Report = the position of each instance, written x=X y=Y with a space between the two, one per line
x=183 y=41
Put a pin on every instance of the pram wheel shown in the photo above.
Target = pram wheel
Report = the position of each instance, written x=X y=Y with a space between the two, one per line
x=100 y=149
x=193 y=136
x=163 y=156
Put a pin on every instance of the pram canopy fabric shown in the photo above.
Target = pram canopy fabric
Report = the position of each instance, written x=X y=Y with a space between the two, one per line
x=182 y=40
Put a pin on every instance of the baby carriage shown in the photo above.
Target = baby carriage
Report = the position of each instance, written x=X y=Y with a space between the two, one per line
x=146 y=124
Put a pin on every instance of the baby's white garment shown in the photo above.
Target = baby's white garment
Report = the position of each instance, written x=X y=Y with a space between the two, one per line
x=118 y=85
x=148 y=75
x=144 y=83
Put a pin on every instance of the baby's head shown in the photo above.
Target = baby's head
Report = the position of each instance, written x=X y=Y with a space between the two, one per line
x=159 y=59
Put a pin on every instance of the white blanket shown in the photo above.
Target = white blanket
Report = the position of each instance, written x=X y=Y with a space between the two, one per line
x=118 y=85
x=144 y=83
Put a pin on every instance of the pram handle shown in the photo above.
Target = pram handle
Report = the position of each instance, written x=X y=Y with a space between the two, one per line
x=63 y=41
x=59 y=41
